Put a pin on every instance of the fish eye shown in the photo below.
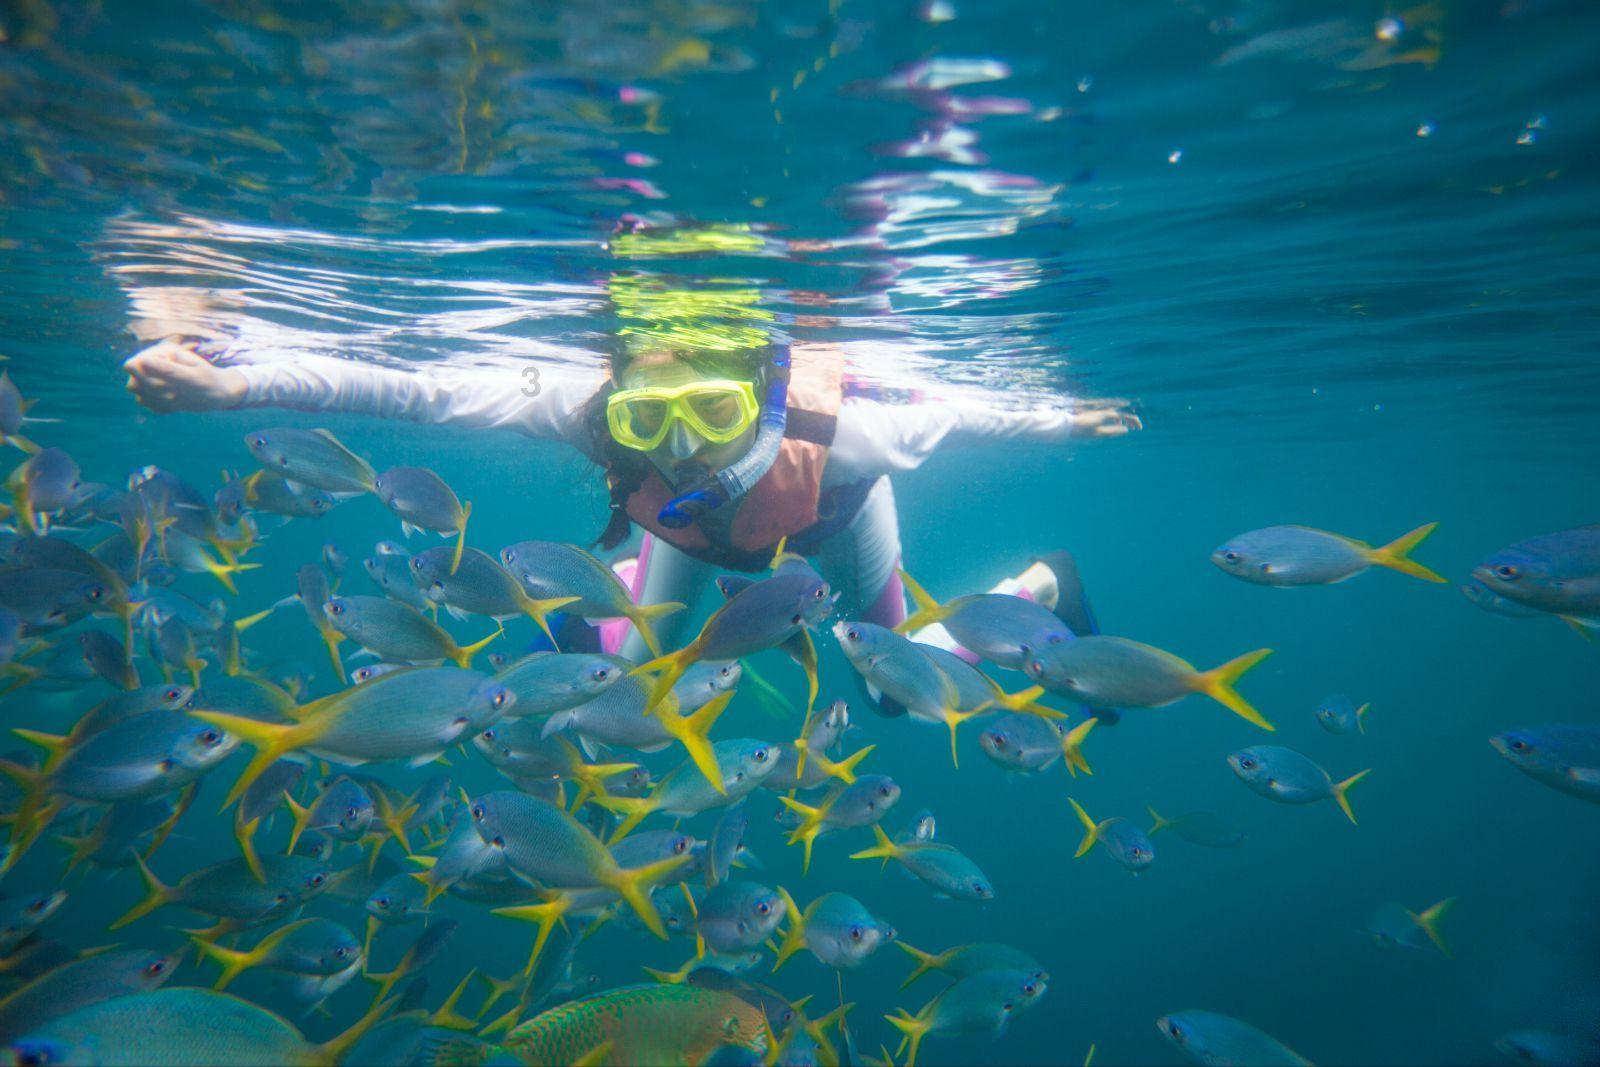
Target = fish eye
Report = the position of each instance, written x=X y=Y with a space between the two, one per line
x=818 y=593
x=856 y=933
x=1519 y=745
x=853 y=634
x=1231 y=556
x=1136 y=852
x=1176 y=1031
x=37 y=905
x=601 y=674
x=351 y=814
x=259 y=441
x=317 y=879
x=211 y=736
x=499 y=699
x=763 y=908
x=282 y=898
x=156 y=967
x=1507 y=571
x=679 y=846
x=760 y=755
x=417 y=563
x=336 y=608
x=382 y=902
x=1247 y=763
x=498 y=842
x=341 y=952
x=478 y=812
x=172 y=694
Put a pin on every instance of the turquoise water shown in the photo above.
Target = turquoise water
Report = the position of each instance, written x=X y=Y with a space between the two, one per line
x=1345 y=282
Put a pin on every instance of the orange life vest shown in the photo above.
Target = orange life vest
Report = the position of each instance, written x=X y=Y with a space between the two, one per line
x=784 y=502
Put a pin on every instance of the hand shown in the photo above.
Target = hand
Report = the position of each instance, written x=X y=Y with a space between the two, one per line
x=168 y=376
x=1104 y=418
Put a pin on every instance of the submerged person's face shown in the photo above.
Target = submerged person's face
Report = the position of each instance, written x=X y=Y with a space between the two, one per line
x=683 y=455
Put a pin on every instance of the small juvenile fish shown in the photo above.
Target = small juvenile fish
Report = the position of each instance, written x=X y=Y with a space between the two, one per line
x=948 y=871
x=45 y=483
x=1395 y=927
x=1199 y=828
x=963 y=960
x=1563 y=757
x=342 y=811
x=181 y=1025
x=1118 y=673
x=723 y=845
x=979 y=1003
x=1546 y=1048
x=1557 y=573
x=1127 y=843
x=391 y=572
x=863 y=802
x=335 y=560
x=318 y=948
x=22 y=919
x=311 y=457
x=1284 y=775
x=738 y=916
x=1339 y=715
x=1300 y=555
x=1209 y=1038
x=478 y=585
x=422 y=501
x=548 y=569
x=1027 y=743
x=398 y=899
x=79 y=983
x=836 y=928
x=397 y=633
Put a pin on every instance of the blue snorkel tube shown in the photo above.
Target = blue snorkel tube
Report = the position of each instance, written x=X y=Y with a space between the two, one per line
x=739 y=477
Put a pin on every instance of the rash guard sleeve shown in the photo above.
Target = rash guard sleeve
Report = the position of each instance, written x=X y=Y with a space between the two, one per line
x=874 y=437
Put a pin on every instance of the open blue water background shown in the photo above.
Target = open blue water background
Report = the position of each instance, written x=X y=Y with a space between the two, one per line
x=1336 y=287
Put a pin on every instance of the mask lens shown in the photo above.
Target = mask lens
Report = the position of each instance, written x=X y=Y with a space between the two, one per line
x=647 y=415
x=717 y=409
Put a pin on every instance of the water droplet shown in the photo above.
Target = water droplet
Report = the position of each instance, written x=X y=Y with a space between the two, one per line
x=1527 y=137
x=1175 y=156
x=1425 y=129
x=1085 y=83
x=1389 y=28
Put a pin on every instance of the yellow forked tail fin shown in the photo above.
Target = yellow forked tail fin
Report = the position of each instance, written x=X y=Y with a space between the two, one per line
x=926 y=961
x=929 y=610
x=643 y=617
x=844 y=770
x=633 y=885
x=1160 y=823
x=811 y=825
x=670 y=668
x=693 y=732
x=1342 y=789
x=462 y=657
x=1072 y=747
x=1091 y=832
x=885 y=849
x=545 y=915
x=1218 y=684
x=461 y=537
x=1428 y=920
x=912 y=1029
x=1396 y=555
x=953 y=719
x=271 y=740
x=1026 y=702
x=156 y=894
x=537 y=610
x=632 y=809
x=794 y=936
x=1361 y=718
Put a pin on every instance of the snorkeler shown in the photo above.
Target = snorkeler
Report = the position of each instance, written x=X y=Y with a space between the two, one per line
x=715 y=438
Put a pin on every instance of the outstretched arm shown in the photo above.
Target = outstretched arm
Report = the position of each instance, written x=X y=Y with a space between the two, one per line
x=875 y=438
x=172 y=375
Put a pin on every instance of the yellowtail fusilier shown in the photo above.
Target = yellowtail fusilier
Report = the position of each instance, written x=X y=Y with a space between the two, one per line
x=836 y=928
x=724 y=843
x=44 y=598
x=941 y=866
x=1557 y=573
x=548 y=569
x=1119 y=673
x=1301 y=555
x=549 y=682
x=982 y=1003
x=342 y=810
x=1284 y=775
x=230 y=890
x=743 y=762
x=1565 y=757
x=477 y=585
x=761 y=615
x=1208 y=1038
x=640 y=1024
x=623 y=715
x=317 y=948
x=19 y=920
x=1027 y=743
x=737 y=916
x=79 y=983
x=422 y=501
x=519 y=750
x=273 y=493
x=42 y=485
x=1003 y=629
x=544 y=844
x=863 y=802
x=410 y=715
x=397 y=633
x=1394 y=926
x=1199 y=828
x=1126 y=843
x=14 y=410
x=1339 y=714
x=265 y=795
x=311 y=457
x=963 y=960
x=181 y=1026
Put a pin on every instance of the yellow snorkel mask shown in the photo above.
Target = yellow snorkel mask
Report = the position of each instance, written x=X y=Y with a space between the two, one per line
x=718 y=409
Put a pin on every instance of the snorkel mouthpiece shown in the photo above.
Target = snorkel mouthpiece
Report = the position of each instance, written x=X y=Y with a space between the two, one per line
x=739 y=477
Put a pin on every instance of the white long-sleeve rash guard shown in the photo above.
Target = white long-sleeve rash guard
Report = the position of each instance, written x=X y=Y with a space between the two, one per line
x=873 y=437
